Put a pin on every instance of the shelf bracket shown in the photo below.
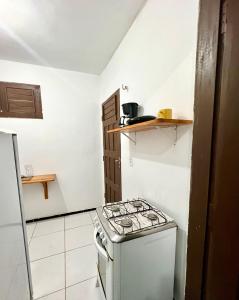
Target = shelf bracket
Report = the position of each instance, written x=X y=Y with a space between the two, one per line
x=176 y=135
x=130 y=138
x=45 y=188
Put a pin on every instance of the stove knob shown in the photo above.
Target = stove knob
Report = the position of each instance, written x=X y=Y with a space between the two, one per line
x=100 y=230
x=97 y=224
x=102 y=235
x=104 y=241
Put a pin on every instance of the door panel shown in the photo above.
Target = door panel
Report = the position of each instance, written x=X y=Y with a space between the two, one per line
x=221 y=269
x=112 y=149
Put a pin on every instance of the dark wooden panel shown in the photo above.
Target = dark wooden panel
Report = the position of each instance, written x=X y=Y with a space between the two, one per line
x=22 y=107
x=19 y=91
x=110 y=114
x=108 y=103
x=20 y=100
x=110 y=121
x=19 y=97
x=213 y=244
x=206 y=67
x=112 y=149
x=222 y=247
x=109 y=109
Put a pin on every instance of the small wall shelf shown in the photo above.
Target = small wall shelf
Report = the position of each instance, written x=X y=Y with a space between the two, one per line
x=149 y=125
x=43 y=179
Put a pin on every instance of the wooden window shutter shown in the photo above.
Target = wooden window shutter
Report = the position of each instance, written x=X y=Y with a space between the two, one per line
x=19 y=100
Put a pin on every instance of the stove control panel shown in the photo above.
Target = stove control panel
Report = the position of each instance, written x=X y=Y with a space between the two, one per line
x=101 y=233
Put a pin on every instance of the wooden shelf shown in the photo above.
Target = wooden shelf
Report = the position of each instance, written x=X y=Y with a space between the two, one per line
x=43 y=179
x=149 y=125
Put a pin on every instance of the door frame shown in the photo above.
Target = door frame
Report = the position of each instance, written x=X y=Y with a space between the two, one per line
x=205 y=85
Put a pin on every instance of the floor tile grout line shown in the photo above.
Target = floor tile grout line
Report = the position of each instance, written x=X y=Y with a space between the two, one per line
x=92 y=219
x=37 y=236
x=39 y=220
x=56 y=254
x=45 y=235
x=46 y=295
x=70 y=250
x=87 y=279
x=66 y=287
x=92 y=222
x=32 y=235
x=79 y=226
x=65 y=251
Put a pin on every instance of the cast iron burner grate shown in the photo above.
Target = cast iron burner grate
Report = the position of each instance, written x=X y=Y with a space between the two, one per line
x=133 y=216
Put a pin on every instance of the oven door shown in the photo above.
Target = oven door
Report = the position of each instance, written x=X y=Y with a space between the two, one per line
x=105 y=267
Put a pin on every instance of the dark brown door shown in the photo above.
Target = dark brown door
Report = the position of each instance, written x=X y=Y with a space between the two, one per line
x=112 y=148
x=222 y=248
x=213 y=239
x=18 y=100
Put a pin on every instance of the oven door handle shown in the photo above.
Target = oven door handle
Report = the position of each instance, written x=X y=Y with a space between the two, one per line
x=101 y=250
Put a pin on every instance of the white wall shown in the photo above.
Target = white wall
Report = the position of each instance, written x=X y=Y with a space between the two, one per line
x=156 y=60
x=65 y=142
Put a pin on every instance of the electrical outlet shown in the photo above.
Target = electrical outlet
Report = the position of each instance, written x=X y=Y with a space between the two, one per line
x=28 y=170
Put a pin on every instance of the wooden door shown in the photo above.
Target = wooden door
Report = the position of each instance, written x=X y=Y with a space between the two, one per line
x=221 y=270
x=213 y=241
x=112 y=149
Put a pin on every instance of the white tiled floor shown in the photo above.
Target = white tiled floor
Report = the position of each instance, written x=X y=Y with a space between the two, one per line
x=77 y=220
x=50 y=226
x=79 y=237
x=47 y=245
x=80 y=264
x=63 y=258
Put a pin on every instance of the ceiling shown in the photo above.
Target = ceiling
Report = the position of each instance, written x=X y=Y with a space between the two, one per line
x=79 y=35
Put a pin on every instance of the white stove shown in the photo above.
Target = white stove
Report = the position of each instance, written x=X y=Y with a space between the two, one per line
x=136 y=251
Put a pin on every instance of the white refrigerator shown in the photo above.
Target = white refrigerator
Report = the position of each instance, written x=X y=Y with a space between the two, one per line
x=15 y=274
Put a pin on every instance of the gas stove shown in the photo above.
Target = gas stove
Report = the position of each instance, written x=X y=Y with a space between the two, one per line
x=134 y=237
x=130 y=219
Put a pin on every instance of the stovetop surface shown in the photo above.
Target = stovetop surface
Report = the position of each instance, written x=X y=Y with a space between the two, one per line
x=131 y=219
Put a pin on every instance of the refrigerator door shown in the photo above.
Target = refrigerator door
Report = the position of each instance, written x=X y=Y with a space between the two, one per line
x=14 y=262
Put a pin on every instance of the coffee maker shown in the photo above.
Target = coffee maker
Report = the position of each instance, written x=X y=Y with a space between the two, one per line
x=130 y=111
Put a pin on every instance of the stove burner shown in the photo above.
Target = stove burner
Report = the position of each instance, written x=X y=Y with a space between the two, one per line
x=114 y=208
x=152 y=216
x=137 y=204
x=126 y=222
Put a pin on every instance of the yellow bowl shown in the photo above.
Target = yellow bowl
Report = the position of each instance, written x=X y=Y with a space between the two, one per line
x=165 y=113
